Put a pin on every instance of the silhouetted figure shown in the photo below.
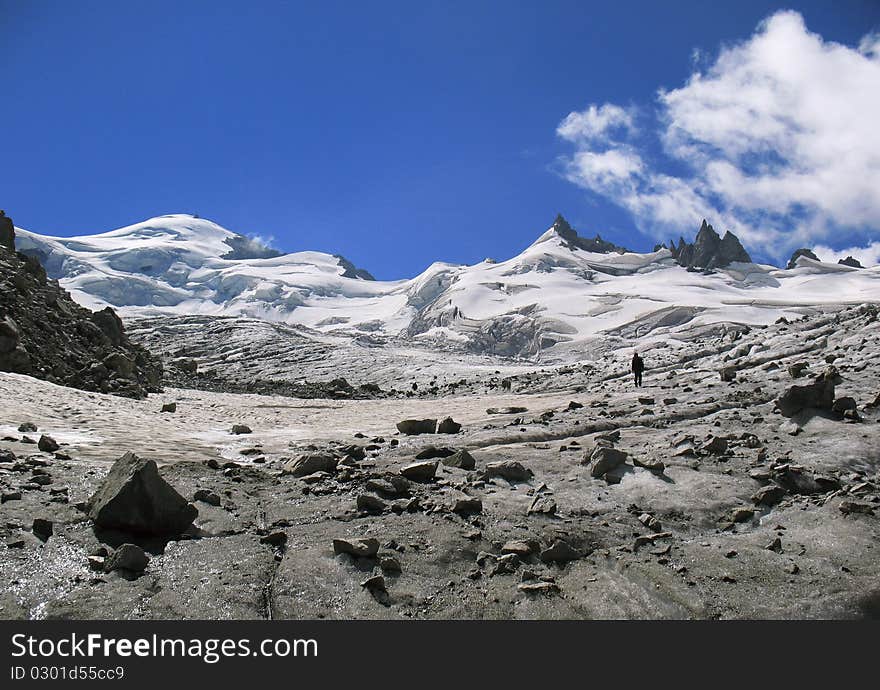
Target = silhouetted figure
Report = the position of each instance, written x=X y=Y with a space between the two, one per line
x=638 y=366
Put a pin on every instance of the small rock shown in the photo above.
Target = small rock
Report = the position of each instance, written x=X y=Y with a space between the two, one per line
x=468 y=506
x=560 y=552
x=542 y=505
x=538 y=587
x=206 y=496
x=511 y=470
x=239 y=429
x=169 y=407
x=359 y=548
x=27 y=427
x=128 y=557
x=276 y=538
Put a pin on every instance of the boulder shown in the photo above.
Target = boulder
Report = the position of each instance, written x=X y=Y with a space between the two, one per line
x=239 y=429
x=448 y=426
x=728 y=374
x=413 y=427
x=47 y=444
x=169 y=407
x=367 y=503
x=542 y=505
x=129 y=557
x=511 y=470
x=603 y=459
x=309 y=463
x=819 y=395
x=432 y=452
x=506 y=410
x=420 y=471
x=468 y=506
x=42 y=529
x=768 y=495
x=461 y=459
x=134 y=498
x=560 y=552
x=27 y=427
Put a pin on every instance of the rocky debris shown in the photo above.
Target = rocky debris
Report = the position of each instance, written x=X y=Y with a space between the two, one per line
x=651 y=522
x=389 y=564
x=797 y=370
x=652 y=464
x=359 y=548
x=542 y=505
x=851 y=262
x=391 y=485
x=128 y=557
x=309 y=463
x=511 y=470
x=768 y=495
x=603 y=459
x=803 y=251
x=538 y=587
x=239 y=429
x=740 y=514
x=848 y=507
x=709 y=250
x=506 y=410
x=27 y=427
x=420 y=471
x=169 y=407
x=461 y=459
x=817 y=395
x=448 y=426
x=522 y=548
x=560 y=552
x=45 y=334
x=42 y=529
x=646 y=539
x=775 y=545
x=47 y=444
x=431 y=452
x=135 y=499
x=207 y=496
x=413 y=427
x=796 y=480
x=276 y=538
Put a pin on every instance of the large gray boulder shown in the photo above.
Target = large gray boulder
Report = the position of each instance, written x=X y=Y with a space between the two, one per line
x=134 y=498
x=309 y=463
x=818 y=395
x=412 y=427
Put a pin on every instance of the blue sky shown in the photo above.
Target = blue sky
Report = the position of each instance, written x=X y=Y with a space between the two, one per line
x=399 y=133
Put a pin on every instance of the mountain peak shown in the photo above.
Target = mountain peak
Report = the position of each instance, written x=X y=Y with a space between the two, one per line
x=709 y=250
x=571 y=240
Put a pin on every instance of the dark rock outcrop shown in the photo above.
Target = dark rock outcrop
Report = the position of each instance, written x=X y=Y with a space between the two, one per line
x=135 y=499
x=803 y=251
x=851 y=262
x=45 y=334
x=242 y=247
x=7 y=232
x=575 y=241
x=709 y=250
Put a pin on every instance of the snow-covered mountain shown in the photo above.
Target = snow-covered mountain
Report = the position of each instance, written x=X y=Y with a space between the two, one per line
x=553 y=296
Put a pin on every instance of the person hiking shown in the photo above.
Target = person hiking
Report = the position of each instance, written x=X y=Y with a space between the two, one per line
x=638 y=366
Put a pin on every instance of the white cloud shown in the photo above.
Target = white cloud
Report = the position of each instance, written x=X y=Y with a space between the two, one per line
x=595 y=123
x=779 y=134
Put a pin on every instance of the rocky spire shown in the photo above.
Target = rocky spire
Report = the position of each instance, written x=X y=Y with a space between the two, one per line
x=574 y=241
x=709 y=250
